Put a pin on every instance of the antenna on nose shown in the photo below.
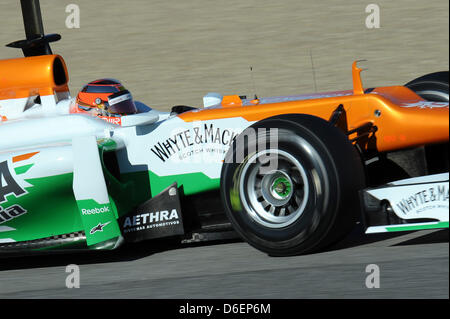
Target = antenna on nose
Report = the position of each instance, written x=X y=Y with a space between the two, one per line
x=253 y=81
x=313 y=71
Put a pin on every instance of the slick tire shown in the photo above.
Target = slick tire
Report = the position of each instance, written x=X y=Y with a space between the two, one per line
x=434 y=87
x=384 y=171
x=297 y=197
x=431 y=87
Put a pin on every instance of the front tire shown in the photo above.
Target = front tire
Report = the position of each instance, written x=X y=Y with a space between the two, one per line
x=431 y=87
x=308 y=200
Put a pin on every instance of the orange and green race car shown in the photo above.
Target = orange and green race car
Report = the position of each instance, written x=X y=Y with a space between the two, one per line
x=289 y=174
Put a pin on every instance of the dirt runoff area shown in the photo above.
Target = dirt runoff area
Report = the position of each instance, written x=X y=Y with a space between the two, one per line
x=174 y=52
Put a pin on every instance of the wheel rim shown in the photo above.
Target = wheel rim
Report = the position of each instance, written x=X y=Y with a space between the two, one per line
x=278 y=197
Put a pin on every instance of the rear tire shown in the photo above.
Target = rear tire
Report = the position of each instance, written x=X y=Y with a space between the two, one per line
x=431 y=87
x=308 y=200
x=434 y=87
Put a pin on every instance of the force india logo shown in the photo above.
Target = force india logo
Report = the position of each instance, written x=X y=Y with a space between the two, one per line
x=9 y=186
x=11 y=213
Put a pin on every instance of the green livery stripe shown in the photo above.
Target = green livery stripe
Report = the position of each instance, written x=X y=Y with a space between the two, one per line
x=418 y=227
x=23 y=169
x=192 y=183
x=51 y=209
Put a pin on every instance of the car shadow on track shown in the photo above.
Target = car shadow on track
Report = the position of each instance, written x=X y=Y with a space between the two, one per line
x=358 y=238
x=128 y=252
x=440 y=236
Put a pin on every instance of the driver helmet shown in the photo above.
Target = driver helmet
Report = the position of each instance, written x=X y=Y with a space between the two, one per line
x=105 y=98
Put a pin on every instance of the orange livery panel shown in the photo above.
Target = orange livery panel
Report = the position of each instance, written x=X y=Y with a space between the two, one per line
x=37 y=75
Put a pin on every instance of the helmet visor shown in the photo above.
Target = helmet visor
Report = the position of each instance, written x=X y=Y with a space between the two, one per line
x=121 y=103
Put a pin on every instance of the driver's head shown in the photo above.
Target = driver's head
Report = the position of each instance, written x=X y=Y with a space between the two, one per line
x=105 y=98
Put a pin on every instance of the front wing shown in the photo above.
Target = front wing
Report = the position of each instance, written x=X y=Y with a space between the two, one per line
x=406 y=205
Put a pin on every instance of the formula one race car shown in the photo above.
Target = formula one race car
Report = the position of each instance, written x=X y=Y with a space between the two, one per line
x=290 y=174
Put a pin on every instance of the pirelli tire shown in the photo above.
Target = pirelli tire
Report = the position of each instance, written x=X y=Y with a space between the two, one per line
x=304 y=203
x=431 y=87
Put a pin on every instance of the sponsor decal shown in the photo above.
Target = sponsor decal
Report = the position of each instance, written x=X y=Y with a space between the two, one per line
x=99 y=227
x=119 y=99
x=151 y=220
x=9 y=186
x=7 y=183
x=11 y=213
x=199 y=135
x=426 y=104
x=424 y=200
x=95 y=217
x=158 y=217
x=112 y=119
x=93 y=211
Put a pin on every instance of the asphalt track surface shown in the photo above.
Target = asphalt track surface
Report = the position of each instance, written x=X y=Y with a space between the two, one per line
x=172 y=52
x=412 y=265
